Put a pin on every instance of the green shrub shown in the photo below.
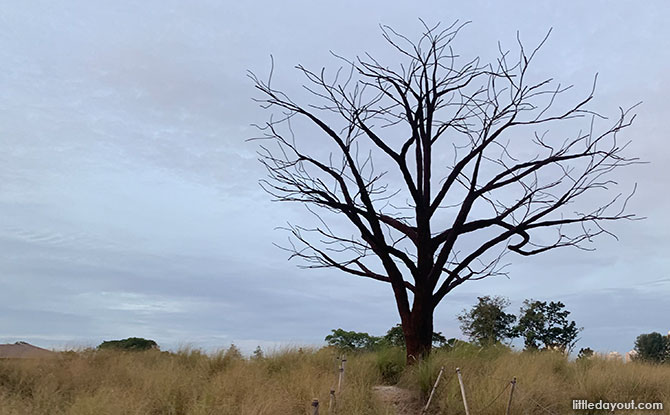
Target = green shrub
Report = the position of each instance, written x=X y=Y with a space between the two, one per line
x=130 y=344
x=585 y=353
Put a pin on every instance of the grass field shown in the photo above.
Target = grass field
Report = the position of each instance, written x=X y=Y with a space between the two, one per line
x=284 y=383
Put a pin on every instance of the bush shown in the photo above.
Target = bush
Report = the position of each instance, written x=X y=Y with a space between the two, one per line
x=585 y=353
x=258 y=354
x=129 y=344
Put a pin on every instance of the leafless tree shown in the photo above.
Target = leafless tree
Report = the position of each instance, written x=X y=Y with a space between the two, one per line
x=440 y=166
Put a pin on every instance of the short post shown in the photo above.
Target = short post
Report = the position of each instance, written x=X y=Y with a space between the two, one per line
x=340 y=381
x=331 y=404
x=460 y=381
x=432 y=392
x=511 y=394
x=315 y=407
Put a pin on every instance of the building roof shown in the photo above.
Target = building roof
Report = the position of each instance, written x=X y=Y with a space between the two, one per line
x=23 y=350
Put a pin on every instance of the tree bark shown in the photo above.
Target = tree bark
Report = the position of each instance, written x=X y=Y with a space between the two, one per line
x=417 y=327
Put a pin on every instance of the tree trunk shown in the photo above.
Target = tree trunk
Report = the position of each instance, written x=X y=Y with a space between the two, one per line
x=418 y=330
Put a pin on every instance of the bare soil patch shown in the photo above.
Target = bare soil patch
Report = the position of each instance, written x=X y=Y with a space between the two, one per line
x=404 y=401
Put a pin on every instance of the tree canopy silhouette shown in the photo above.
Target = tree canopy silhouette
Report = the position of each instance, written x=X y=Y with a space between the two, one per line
x=424 y=173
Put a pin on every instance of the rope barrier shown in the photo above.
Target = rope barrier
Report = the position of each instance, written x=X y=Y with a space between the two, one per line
x=495 y=399
x=502 y=391
x=497 y=378
x=445 y=385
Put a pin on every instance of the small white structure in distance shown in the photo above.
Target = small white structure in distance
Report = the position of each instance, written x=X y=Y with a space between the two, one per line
x=630 y=356
x=614 y=356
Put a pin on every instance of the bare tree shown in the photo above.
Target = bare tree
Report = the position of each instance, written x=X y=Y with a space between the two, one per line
x=440 y=166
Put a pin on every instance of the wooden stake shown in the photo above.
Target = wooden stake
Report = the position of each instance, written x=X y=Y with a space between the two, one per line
x=465 y=401
x=511 y=394
x=331 y=404
x=340 y=381
x=315 y=406
x=432 y=392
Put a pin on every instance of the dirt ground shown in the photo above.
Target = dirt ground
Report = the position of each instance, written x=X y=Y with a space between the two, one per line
x=404 y=401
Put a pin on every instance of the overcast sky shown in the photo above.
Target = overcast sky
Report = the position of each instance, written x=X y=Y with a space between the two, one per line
x=129 y=199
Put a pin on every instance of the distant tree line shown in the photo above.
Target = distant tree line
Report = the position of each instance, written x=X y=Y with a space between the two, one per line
x=545 y=325
x=542 y=325
x=354 y=341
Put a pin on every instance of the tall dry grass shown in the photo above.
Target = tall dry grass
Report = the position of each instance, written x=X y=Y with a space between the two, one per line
x=284 y=383
x=188 y=382
x=546 y=382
